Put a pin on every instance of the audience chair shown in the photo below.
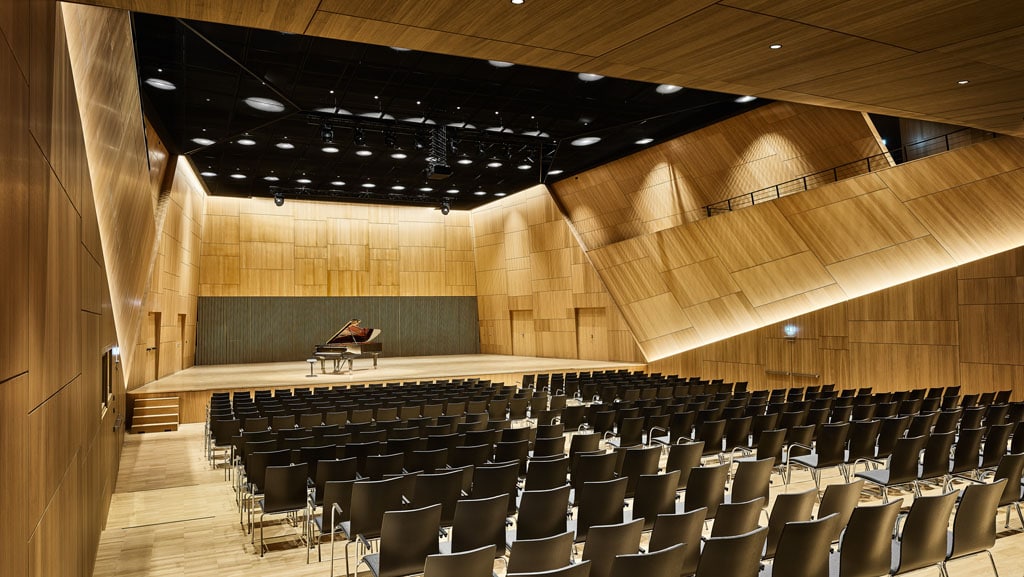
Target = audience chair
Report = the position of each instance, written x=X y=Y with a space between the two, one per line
x=803 y=549
x=738 y=517
x=737 y=556
x=600 y=503
x=479 y=523
x=840 y=499
x=473 y=563
x=497 y=479
x=541 y=514
x=922 y=540
x=604 y=542
x=788 y=508
x=683 y=457
x=370 y=500
x=407 y=538
x=661 y=563
x=577 y=570
x=974 y=528
x=680 y=528
x=655 y=495
x=902 y=467
x=866 y=546
x=542 y=554
x=706 y=488
x=284 y=492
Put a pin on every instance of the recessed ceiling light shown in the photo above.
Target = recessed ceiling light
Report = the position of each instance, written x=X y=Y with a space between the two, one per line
x=364 y=152
x=330 y=149
x=962 y=82
x=555 y=172
x=499 y=194
x=425 y=189
x=479 y=193
x=334 y=110
x=525 y=166
x=775 y=46
x=368 y=185
x=264 y=104
x=160 y=84
x=208 y=174
x=745 y=99
x=303 y=180
x=588 y=77
x=338 y=183
x=586 y=141
x=399 y=155
x=285 y=145
x=452 y=191
x=238 y=176
x=202 y=141
x=398 y=187
x=494 y=164
x=500 y=63
x=642 y=141
x=667 y=89
x=271 y=178
x=246 y=141
x=400 y=49
x=465 y=161
x=518 y=2
x=536 y=133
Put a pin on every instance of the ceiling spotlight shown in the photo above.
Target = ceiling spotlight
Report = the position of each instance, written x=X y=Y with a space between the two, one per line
x=644 y=141
x=160 y=84
x=202 y=141
x=667 y=89
x=501 y=63
x=264 y=104
x=246 y=141
x=238 y=176
x=587 y=77
x=518 y=2
x=446 y=207
x=303 y=181
x=338 y=183
x=285 y=145
x=465 y=161
x=364 y=152
x=425 y=189
x=208 y=174
x=586 y=141
x=398 y=187
x=271 y=178
x=452 y=191
x=330 y=149
x=962 y=82
x=525 y=166
x=358 y=137
x=479 y=193
x=399 y=155
x=326 y=134
x=494 y=164
x=745 y=99
x=499 y=194
x=555 y=172
x=775 y=46
x=278 y=199
x=368 y=185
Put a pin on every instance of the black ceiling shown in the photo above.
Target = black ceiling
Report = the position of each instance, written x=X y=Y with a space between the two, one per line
x=436 y=109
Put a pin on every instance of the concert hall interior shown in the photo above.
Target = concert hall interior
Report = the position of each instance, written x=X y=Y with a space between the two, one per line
x=834 y=197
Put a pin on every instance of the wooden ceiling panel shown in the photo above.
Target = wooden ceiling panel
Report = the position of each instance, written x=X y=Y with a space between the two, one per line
x=929 y=175
x=733 y=46
x=284 y=15
x=1004 y=49
x=919 y=25
x=601 y=26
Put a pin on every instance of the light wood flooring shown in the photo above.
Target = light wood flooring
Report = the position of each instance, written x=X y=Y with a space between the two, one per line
x=173 y=515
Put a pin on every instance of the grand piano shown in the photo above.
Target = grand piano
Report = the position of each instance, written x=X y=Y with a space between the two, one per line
x=348 y=343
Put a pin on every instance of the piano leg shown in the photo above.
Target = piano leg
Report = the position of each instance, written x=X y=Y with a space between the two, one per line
x=323 y=367
x=375 y=360
x=350 y=365
x=337 y=365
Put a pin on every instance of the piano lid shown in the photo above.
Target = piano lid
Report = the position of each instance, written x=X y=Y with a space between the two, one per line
x=353 y=333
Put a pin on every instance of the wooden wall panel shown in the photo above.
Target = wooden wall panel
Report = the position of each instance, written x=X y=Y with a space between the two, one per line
x=667 y=185
x=533 y=281
x=250 y=247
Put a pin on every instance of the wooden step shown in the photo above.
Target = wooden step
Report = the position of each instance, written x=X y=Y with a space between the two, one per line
x=156 y=401
x=157 y=418
x=155 y=410
x=154 y=428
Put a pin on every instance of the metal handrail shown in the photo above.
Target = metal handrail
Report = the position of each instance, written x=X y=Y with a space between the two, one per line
x=887 y=159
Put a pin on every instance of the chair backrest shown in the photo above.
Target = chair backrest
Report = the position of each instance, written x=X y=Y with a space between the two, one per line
x=804 y=548
x=995 y=444
x=604 y=542
x=370 y=499
x=592 y=467
x=518 y=451
x=332 y=470
x=788 y=507
x=285 y=488
x=480 y=522
x=258 y=462
x=770 y=445
x=655 y=495
x=377 y=466
x=904 y=459
x=706 y=488
x=831 y=444
x=923 y=540
x=736 y=518
x=889 y=432
x=935 y=462
x=679 y=528
x=867 y=542
x=948 y=420
x=966 y=450
x=737 y=556
x=862 y=439
x=473 y=563
x=546 y=473
x=600 y=503
x=661 y=563
x=542 y=513
x=406 y=539
x=441 y=489
x=578 y=570
x=1010 y=467
x=683 y=457
x=841 y=499
x=543 y=554
x=712 y=433
x=549 y=446
x=752 y=480
x=974 y=526
x=921 y=424
x=497 y=479
x=636 y=462
x=340 y=493
x=630 y=433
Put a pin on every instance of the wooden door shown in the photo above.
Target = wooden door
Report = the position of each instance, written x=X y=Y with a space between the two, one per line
x=592 y=334
x=523 y=343
x=153 y=346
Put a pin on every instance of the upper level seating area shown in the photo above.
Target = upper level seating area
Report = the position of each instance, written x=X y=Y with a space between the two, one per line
x=589 y=467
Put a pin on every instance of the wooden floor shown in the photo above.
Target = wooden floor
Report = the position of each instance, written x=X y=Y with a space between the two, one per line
x=173 y=515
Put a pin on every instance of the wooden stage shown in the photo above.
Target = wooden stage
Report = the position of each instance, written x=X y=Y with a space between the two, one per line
x=193 y=385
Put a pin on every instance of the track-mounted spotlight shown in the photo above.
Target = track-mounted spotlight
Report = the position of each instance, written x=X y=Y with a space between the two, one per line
x=358 y=138
x=446 y=207
x=327 y=134
x=278 y=199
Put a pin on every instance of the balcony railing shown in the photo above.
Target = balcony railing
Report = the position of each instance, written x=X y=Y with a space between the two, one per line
x=888 y=159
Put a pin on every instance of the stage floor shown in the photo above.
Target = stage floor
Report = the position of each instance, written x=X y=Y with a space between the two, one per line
x=389 y=369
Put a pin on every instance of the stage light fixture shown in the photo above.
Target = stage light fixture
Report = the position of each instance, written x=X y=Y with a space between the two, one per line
x=358 y=137
x=446 y=207
x=326 y=134
x=278 y=199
